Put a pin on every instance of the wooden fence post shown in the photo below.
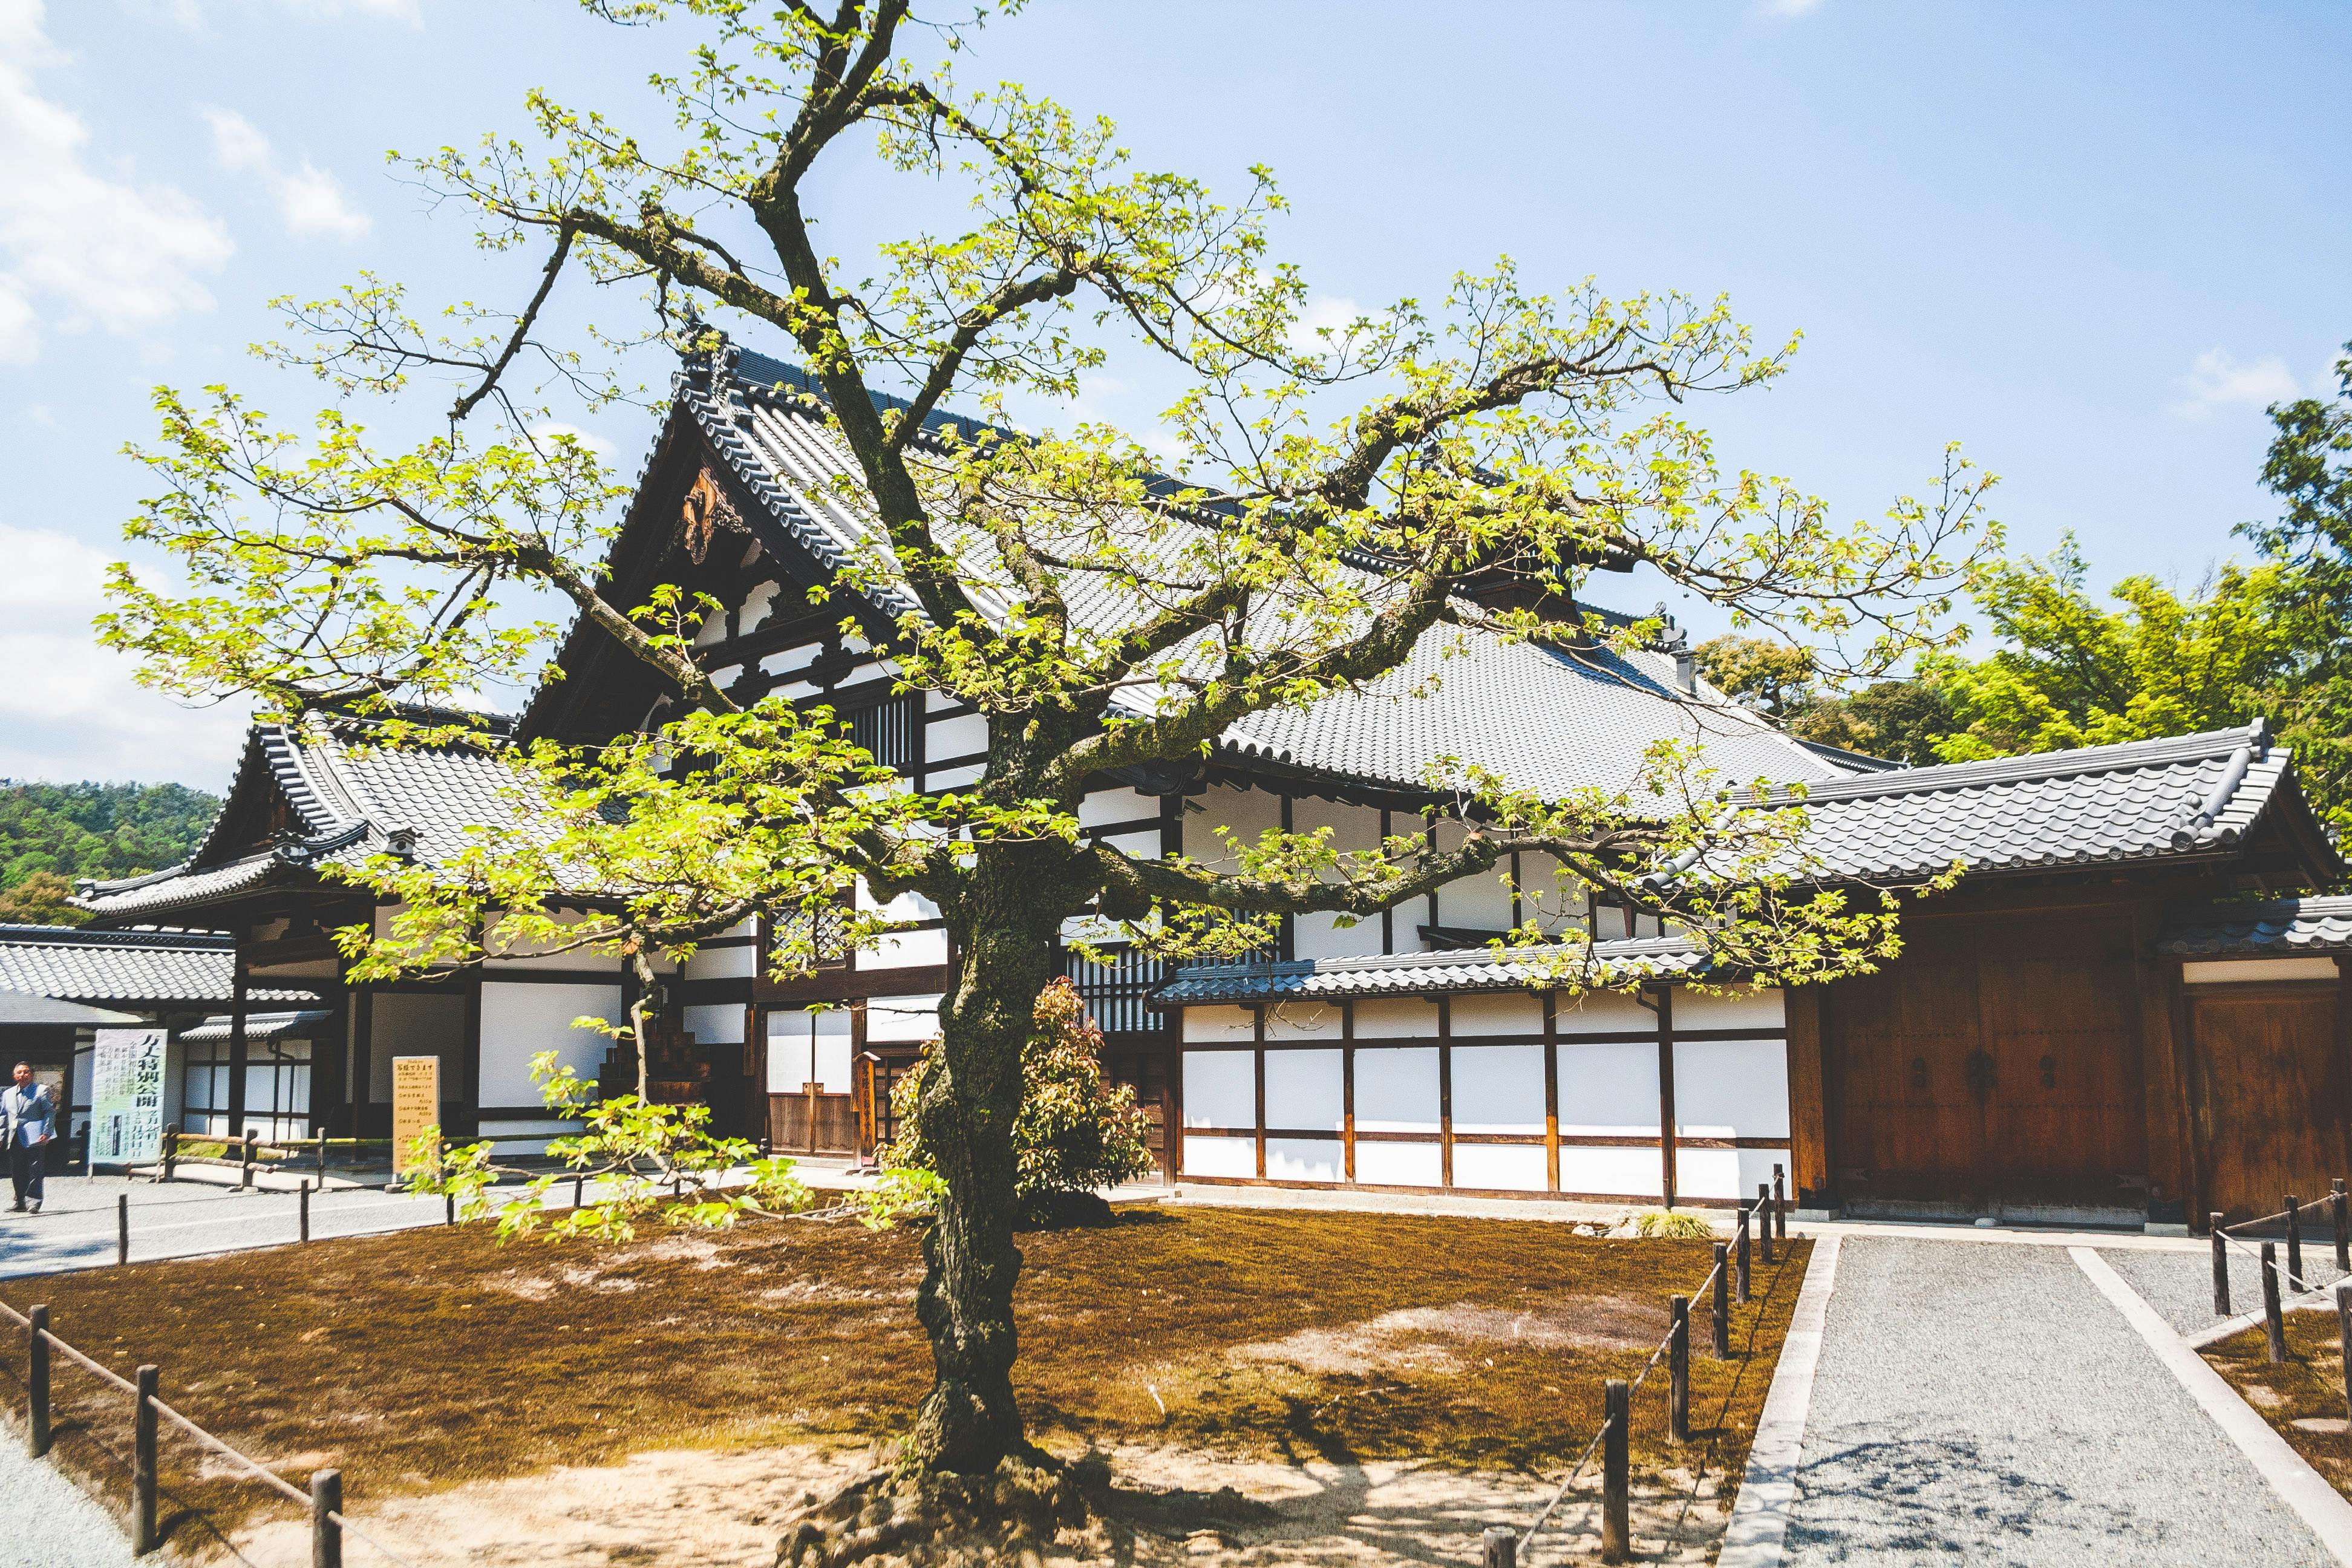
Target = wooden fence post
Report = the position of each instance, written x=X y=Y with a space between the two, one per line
x=171 y=1150
x=142 y=1466
x=1616 y=1531
x=2343 y=1337
x=2295 y=1275
x=1764 y=1214
x=122 y=1229
x=323 y=1159
x=1779 y=1203
x=36 y=1383
x=448 y=1208
x=1678 y=1370
x=2273 y=1318
x=2221 y=1270
x=306 y=1211
x=579 y=1192
x=1499 y=1547
x=1741 y=1259
x=245 y=1175
x=2336 y=1211
x=1722 y=1303
x=325 y=1531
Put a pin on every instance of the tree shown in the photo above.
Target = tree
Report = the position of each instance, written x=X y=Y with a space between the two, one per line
x=41 y=899
x=1898 y=720
x=2074 y=674
x=1328 y=494
x=66 y=831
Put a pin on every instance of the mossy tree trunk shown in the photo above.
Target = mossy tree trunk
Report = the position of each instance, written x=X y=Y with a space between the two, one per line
x=1002 y=928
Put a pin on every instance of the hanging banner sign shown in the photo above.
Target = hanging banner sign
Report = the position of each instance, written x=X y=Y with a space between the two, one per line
x=415 y=1104
x=126 y=1098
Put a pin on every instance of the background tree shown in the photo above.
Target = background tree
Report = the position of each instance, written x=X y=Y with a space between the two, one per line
x=1898 y=720
x=1333 y=490
x=51 y=834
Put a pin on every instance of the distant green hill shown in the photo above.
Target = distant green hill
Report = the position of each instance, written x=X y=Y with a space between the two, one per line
x=51 y=834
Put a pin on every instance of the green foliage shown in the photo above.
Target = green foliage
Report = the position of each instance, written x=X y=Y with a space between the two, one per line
x=644 y=1160
x=1076 y=1134
x=1679 y=1224
x=52 y=834
x=901 y=1194
x=1898 y=720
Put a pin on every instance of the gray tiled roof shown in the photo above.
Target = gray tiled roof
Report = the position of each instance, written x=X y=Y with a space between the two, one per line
x=2138 y=801
x=220 y=1028
x=1422 y=973
x=127 y=967
x=351 y=800
x=1546 y=719
x=2281 y=927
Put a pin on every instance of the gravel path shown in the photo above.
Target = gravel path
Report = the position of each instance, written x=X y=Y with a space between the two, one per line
x=67 y=1530
x=75 y=1227
x=1983 y=1402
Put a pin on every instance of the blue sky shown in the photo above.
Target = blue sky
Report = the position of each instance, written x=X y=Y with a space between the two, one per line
x=2089 y=241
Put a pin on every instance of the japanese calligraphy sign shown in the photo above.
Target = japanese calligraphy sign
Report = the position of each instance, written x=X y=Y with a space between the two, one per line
x=126 y=1097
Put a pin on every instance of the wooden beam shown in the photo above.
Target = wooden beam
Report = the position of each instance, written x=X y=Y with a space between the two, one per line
x=2164 y=1089
x=1445 y=1091
x=1551 y=1090
x=1347 y=1089
x=1804 y=1008
x=1666 y=1123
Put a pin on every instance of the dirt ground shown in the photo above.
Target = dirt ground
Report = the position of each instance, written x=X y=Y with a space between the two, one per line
x=1354 y=1378
x=2302 y=1397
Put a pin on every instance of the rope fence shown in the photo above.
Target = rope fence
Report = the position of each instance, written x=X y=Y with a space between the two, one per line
x=324 y=1500
x=2266 y=1260
x=1755 y=1229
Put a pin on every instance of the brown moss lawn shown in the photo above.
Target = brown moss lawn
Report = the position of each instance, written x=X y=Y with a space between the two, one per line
x=423 y=1359
x=2307 y=1387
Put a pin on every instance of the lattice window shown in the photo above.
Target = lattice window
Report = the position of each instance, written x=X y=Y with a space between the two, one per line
x=1115 y=993
x=892 y=730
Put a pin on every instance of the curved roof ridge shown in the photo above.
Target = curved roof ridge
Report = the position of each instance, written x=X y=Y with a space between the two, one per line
x=2113 y=757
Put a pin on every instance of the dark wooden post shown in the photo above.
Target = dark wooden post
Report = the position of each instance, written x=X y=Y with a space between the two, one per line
x=171 y=1150
x=448 y=1208
x=1780 y=1202
x=2221 y=1270
x=1722 y=1303
x=1616 y=1530
x=245 y=1174
x=306 y=1211
x=1678 y=1370
x=142 y=1466
x=579 y=1192
x=316 y=1127
x=2295 y=1275
x=36 y=1383
x=1764 y=1216
x=2273 y=1318
x=1742 y=1257
x=122 y=1229
x=1499 y=1547
x=2336 y=1211
x=2343 y=1337
x=326 y=1531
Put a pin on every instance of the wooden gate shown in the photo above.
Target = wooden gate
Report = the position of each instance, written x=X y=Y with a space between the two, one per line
x=2271 y=1092
x=1993 y=1069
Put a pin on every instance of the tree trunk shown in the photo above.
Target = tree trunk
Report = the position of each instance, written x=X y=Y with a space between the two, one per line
x=1003 y=938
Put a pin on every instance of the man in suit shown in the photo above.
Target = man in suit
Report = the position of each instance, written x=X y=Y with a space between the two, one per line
x=31 y=1115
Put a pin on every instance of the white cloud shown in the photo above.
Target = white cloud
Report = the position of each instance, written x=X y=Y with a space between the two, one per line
x=70 y=709
x=80 y=243
x=311 y=203
x=593 y=442
x=2220 y=380
x=1790 y=8
x=1322 y=312
x=192 y=14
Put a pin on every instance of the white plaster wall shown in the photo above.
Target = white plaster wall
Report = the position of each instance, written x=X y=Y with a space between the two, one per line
x=1219 y=1023
x=1616 y=1173
x=1497 y=1088
x=1510 y=1167
x=1399 y=1164
x=1120 y=804
x=1512 y=1013
x=1396 y=1018
x=902 y=1019
x=1480 y=903
x=1731 y=1088
x=1305 y=1160
x=1723 y=1173
x=1608 y=1090
x=1396 y=1090
x=1221 y=1090
x=723 y=962
x=1305 y=1020
x=1734 y=1010
x=810 y=1046
x=716 y=1024
x=758 y=608
x=1305 y=1090
x=964 y=735
x=1353 y=828
x=520 y=1021
x=1220 y=1156
x=906 y=949
x=1246 y=812
x=1603 y=1013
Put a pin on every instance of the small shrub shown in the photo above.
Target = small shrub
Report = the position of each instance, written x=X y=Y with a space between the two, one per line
x=1675 y=1224
x=1076 y=1134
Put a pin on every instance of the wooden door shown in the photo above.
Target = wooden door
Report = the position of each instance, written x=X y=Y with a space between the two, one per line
x=1910 y=1133
x=2271 y=1090
x=2065 y=1124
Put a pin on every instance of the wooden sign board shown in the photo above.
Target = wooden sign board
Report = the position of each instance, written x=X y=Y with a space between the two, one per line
x=416 y=1103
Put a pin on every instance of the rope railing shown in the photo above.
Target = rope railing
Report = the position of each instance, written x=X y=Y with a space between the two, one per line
x=1504 y=1546
x=2339 y=1207
x=324 y=1500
